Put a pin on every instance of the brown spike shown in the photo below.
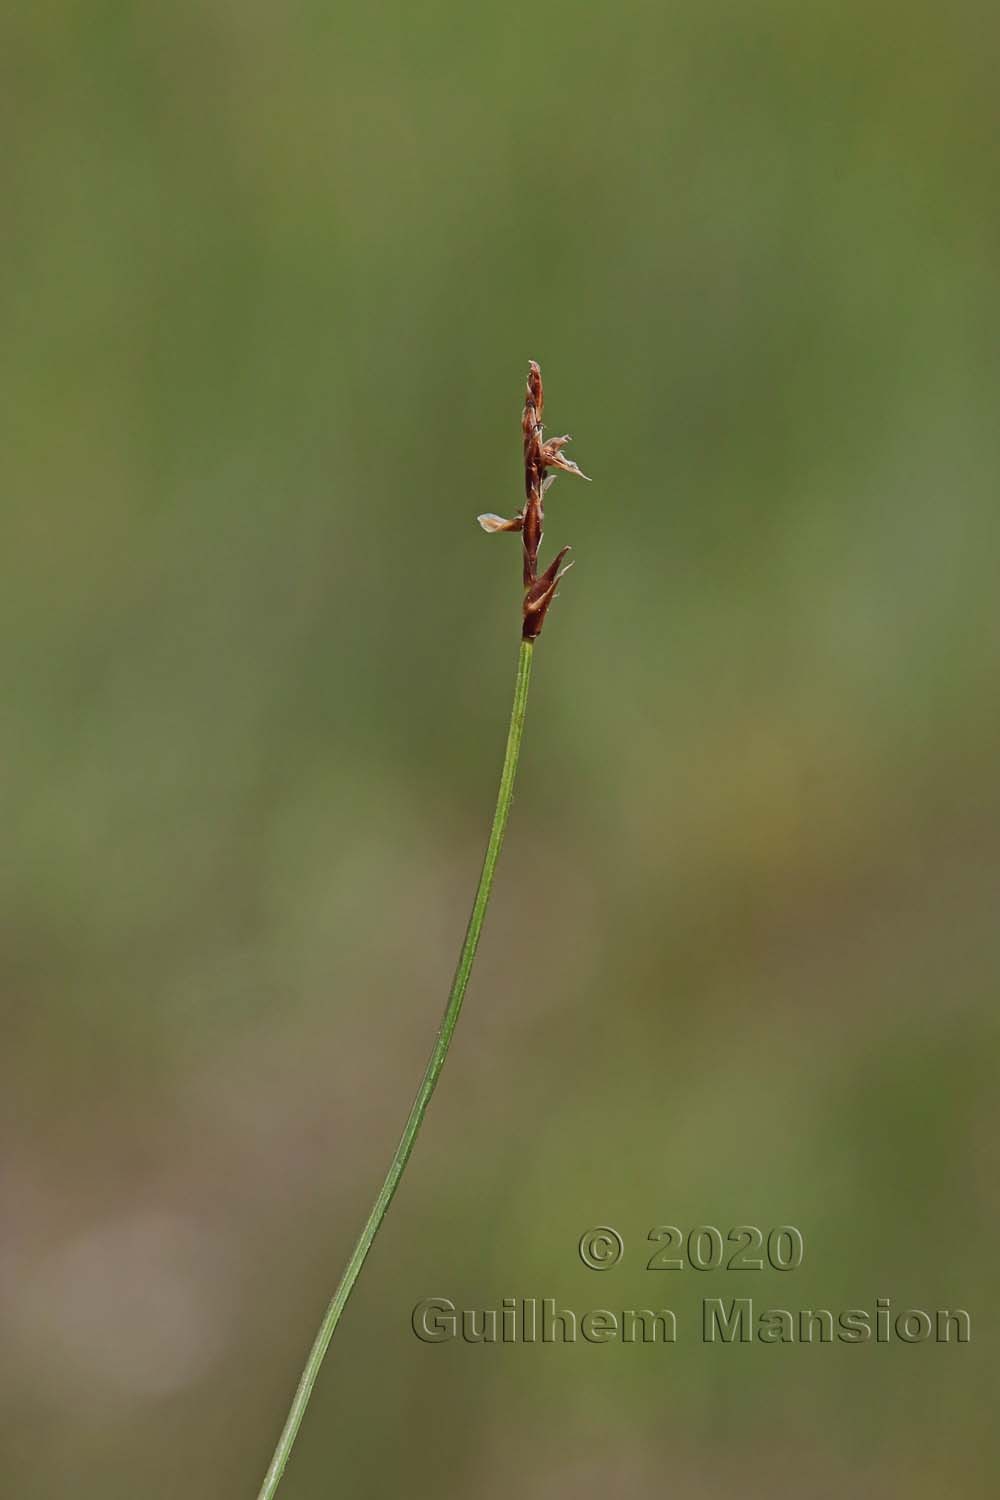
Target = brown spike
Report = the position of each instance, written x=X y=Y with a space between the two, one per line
x=538 y=457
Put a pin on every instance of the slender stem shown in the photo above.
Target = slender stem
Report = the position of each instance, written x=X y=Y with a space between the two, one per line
x=436 y=1062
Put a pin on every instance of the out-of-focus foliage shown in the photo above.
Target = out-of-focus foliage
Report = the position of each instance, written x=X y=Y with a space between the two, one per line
x=271 y=277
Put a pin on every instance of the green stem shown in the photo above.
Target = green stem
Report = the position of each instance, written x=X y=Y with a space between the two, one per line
x=436 y=1062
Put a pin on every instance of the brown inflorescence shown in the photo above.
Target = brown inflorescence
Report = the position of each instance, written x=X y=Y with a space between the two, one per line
x=539 y=455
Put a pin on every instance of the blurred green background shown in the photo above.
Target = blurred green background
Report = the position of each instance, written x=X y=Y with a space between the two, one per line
x=271 y=278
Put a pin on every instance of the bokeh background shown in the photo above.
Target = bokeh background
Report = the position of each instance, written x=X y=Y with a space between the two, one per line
x=271 y=279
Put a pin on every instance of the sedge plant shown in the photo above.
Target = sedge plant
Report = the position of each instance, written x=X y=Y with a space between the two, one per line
x=540 y=455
